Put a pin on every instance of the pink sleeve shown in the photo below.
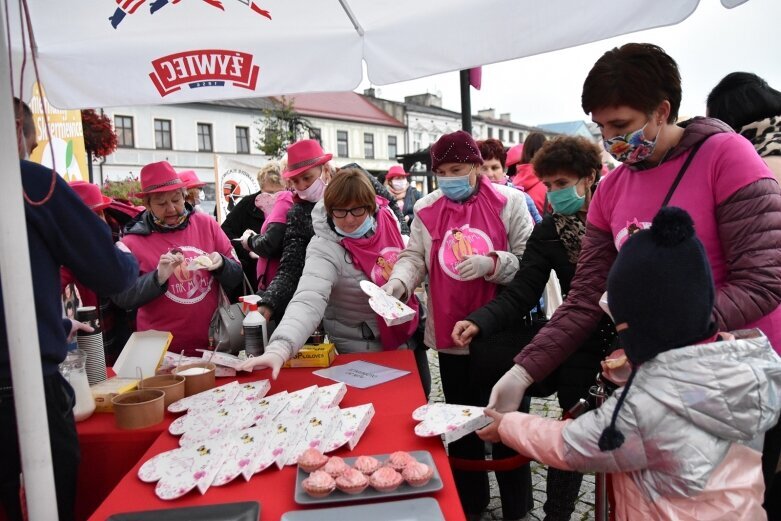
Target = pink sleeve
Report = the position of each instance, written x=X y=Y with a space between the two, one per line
x=535 y=437
x=283 y=204
x=736 y=164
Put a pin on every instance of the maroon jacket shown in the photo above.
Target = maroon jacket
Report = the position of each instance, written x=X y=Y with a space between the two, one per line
x=749 y=224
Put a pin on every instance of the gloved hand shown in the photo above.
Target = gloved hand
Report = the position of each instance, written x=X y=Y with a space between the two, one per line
x=77 y=326
x=216 y=259
x=395 y=288
x=166 y=266
x=463 y=332
x=476 y=266
x=268 y=359
x=245 y=239
x=508 y=392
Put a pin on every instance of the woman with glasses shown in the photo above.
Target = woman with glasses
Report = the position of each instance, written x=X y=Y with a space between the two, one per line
x=357 y=238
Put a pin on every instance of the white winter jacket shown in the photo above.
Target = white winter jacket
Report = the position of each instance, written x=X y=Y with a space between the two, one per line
x=414 y=261
x=329 y=291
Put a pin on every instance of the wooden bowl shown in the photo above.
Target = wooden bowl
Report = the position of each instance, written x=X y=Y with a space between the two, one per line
x=197 y=383
x=139 y=409
x=171 y=384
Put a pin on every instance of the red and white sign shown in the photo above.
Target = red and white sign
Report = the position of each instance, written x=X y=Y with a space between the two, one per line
x=204 y=68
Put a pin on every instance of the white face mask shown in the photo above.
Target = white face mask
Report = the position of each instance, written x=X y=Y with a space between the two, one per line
x=314 y=193
x=399 y=184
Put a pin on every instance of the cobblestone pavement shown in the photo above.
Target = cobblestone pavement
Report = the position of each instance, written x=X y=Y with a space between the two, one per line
x=548 y=407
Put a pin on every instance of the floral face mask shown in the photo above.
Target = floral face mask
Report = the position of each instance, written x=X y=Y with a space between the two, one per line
x=631 y=148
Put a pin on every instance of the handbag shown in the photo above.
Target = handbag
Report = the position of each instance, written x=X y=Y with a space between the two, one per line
x=225 y=328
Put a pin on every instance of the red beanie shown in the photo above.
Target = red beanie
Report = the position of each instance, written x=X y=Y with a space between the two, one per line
x=457 y=147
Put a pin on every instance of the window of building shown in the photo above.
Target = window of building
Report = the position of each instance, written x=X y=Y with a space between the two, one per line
x=417 y=138
x=501 y=134
x=204 y=137
x=512 y=136
x=163 y=134
x=392 y=147
x=342 y=146
x=490 y=132
x=123 y=125
x=368 y=146
x=242 y=140
x=316 y=134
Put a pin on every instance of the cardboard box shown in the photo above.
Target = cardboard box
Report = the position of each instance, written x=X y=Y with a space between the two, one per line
x=139 y=359
x=317 y=355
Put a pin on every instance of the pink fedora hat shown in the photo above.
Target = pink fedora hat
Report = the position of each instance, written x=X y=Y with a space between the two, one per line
x=159 y=177
x=514 y=155
x=190 y=179
x=91 y=195
x=396 y=171
x=303 y=155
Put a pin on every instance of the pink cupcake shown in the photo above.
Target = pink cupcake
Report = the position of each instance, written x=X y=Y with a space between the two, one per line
x=399 y=460
x=311 y=459
x=335 y=466
x=352 y=482
x=366 y=464
x=385 y=479
x=417 y=474
x=319 y=484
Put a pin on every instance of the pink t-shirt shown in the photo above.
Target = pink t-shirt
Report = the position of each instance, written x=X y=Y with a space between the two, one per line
x=187 y=306
x=627 y=200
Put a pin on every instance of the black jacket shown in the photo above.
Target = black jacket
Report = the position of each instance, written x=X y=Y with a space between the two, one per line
x=298 y=233
x=545 y=252
x=244 y=216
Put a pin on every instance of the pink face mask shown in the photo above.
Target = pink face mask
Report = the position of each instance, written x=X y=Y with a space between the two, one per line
x=265 y=202
x=314 y=193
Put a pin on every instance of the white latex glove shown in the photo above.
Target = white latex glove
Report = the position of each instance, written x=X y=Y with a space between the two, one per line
x=508 y=392
x=475 y=266
x=245 y=238
x=77 y=326
x=268 y=359
x=395 y=288
x=167 y=264
x=216 y=259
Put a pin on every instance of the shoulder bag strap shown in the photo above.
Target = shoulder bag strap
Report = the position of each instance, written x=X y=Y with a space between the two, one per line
x=678 y=178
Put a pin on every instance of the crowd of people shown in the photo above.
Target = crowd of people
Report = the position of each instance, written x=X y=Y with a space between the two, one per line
x=668 y=268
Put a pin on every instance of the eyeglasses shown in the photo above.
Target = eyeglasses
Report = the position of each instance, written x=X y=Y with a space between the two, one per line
x=341 y=213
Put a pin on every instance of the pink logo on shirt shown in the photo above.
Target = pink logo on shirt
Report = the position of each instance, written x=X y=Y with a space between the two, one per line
x=383 y=266
x=457 y=244
x=630 y=229
x=189 y=286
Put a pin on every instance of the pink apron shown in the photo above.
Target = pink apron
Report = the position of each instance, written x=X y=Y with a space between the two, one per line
x=473 y=227
x=375 y=256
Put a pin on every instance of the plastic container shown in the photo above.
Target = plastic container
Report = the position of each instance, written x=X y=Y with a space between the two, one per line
x=255 y=335
x=73 y=370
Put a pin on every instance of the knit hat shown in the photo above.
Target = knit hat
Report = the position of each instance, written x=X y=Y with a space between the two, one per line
x=660 y=293
x=457 y=147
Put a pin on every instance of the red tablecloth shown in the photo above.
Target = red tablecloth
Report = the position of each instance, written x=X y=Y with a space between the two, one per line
x=390 y=430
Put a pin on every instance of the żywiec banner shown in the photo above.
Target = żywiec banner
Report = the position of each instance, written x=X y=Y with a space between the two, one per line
x=236 y=180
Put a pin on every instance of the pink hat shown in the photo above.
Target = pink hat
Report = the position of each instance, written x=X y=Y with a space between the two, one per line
x=190 y=179
x=514 y=155
x=303 y=155
x=457 y=147
x=396 y=171
x=159 y=177
x=91 y=195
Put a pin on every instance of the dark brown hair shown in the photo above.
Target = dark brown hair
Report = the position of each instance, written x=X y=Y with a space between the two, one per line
x=638 y=75
x=576 y=155
x=492 y=149
x=531 y=145
x=349 y=186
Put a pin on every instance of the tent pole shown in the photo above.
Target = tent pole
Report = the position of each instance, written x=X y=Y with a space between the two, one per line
x=21 y=328
x=466 y=102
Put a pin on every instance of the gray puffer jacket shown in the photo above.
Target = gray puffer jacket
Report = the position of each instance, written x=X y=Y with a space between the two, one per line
x=329 y=289
x=682 y=413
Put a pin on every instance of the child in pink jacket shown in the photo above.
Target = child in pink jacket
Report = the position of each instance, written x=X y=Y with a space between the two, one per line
x=683 y=437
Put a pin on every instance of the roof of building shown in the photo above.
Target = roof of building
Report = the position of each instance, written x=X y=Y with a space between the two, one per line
x=427 y=109
x=566 y=127
x=246 y=103
x=510 y=124
x=346 y=106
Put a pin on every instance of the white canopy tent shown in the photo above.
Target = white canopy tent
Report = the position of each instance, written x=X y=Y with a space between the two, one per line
x=122 y=52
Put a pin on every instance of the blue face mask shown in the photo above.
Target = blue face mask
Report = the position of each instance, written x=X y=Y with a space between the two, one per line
x=455 y=188
x=566 y=201
x=363 y=229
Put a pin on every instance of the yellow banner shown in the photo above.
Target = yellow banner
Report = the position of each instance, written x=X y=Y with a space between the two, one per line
x=70 y=156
